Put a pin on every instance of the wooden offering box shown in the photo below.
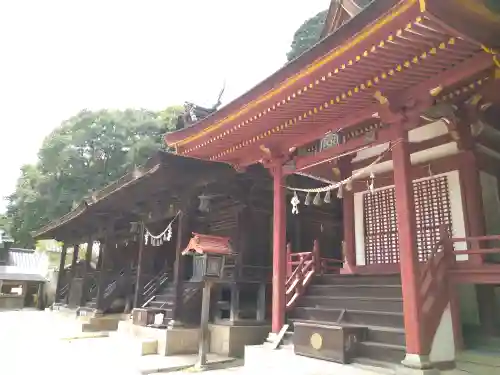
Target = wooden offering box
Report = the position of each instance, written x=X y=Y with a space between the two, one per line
x=329 y=342
x=145 y=317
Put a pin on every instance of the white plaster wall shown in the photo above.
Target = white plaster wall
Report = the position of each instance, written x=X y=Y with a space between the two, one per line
x=457 y=215
x=443 y=343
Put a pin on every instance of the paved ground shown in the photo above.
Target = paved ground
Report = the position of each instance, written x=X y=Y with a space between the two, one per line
x=31 y=343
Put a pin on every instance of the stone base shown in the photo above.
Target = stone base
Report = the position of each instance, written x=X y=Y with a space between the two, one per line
x=172 y=341
x=230 y=340
x=402 y=370
x=415 y=364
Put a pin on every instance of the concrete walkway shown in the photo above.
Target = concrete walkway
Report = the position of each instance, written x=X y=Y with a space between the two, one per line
x=37 y=343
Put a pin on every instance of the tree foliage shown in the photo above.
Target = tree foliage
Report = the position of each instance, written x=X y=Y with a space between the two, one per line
x=307 y=35
x=84 y=154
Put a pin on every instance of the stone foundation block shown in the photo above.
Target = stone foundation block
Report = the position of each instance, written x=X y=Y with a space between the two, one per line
x=230 y=340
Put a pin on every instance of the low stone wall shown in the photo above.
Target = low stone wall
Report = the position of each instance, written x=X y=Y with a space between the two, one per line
x=11 y=302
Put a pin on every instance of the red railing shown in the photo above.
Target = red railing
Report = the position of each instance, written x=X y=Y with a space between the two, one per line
x=301 y=267
x=434 y=285
x=475 y=247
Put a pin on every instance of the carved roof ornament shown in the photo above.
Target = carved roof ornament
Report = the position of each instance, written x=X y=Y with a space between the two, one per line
x=341 y=11
x=194 y=113
x=208 y=244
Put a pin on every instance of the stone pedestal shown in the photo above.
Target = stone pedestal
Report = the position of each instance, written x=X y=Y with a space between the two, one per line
x=230 y=340
x=415 y=364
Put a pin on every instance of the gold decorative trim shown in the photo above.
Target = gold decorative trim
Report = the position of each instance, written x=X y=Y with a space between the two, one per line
x=340 y=50
x=408 y=64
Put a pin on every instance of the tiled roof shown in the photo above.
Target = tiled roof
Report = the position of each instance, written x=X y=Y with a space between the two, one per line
x=25 y=265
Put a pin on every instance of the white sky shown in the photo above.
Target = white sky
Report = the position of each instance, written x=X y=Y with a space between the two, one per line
x=58 y=57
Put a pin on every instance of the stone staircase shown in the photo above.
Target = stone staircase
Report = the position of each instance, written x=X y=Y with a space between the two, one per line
x=374 y=302
x=164 y=300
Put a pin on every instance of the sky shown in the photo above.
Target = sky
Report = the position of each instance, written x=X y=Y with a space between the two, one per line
x=58 y=57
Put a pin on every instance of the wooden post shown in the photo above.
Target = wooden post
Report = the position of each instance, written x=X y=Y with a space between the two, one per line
x=279 y=249
x=103 y=254
x=473 y=199
x=178 y=269
x=349 y=247
x=138 y=280
x=317 y=257
x=204 y=333
x=289 y=267
x=261 y=303
x=410 y=272
x=40 y=297
x=76 y=250
x=60 y=276
x=234 y=313
x=88 y=259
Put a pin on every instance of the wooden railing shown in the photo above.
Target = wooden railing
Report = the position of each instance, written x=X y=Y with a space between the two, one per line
x=301 y=267
x=155 y=284
x=434 y=285
x=475 y=247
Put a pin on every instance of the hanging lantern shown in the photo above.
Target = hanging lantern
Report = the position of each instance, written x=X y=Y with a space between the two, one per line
x=307 y=201
x=317 y=200
x=204 y=203
x=328 y=197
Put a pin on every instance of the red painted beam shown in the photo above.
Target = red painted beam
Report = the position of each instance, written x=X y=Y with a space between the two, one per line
x=304 y=162
x=414 y=147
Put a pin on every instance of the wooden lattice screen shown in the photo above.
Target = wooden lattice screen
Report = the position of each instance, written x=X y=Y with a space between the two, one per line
x=432 y=209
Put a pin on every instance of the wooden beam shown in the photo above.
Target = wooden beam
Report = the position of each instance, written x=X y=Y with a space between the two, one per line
x=413 y=147
x=304 y=162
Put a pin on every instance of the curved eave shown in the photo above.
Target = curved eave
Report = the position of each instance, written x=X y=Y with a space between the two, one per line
x=337 y=89
x=123 y=182
x=298 y=69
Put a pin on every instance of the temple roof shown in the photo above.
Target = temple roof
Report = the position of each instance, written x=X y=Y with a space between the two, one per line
x=395 y=47
x=24 y=265
x=159 y=169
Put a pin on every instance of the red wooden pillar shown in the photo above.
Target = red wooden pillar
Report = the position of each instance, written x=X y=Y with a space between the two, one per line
x=405 y=211
x=349 y=243
x=279 y=249
x=473 y=199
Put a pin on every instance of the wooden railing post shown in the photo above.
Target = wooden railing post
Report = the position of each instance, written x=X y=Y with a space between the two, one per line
x=289 y=268
x=316 y=257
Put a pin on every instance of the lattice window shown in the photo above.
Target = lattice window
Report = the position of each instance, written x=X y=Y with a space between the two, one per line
x=432 y=208
x=381 y=232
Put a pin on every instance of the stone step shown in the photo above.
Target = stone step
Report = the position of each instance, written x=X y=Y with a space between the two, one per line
x=357 y=280
x=359 y=317
x=352 y=303
x=381 y=352
x=379 y=291
x=136 y=346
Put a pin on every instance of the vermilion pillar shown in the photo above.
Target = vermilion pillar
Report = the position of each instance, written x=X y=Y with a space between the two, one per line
x=473 y=201
x=405 y=211
x=349 y=232
x=279 y=249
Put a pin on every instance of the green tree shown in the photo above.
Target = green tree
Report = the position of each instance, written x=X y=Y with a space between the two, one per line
x=307 y=35
x=84 y=154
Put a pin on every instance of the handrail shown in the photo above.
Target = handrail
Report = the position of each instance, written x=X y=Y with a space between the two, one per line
x=434 y=288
